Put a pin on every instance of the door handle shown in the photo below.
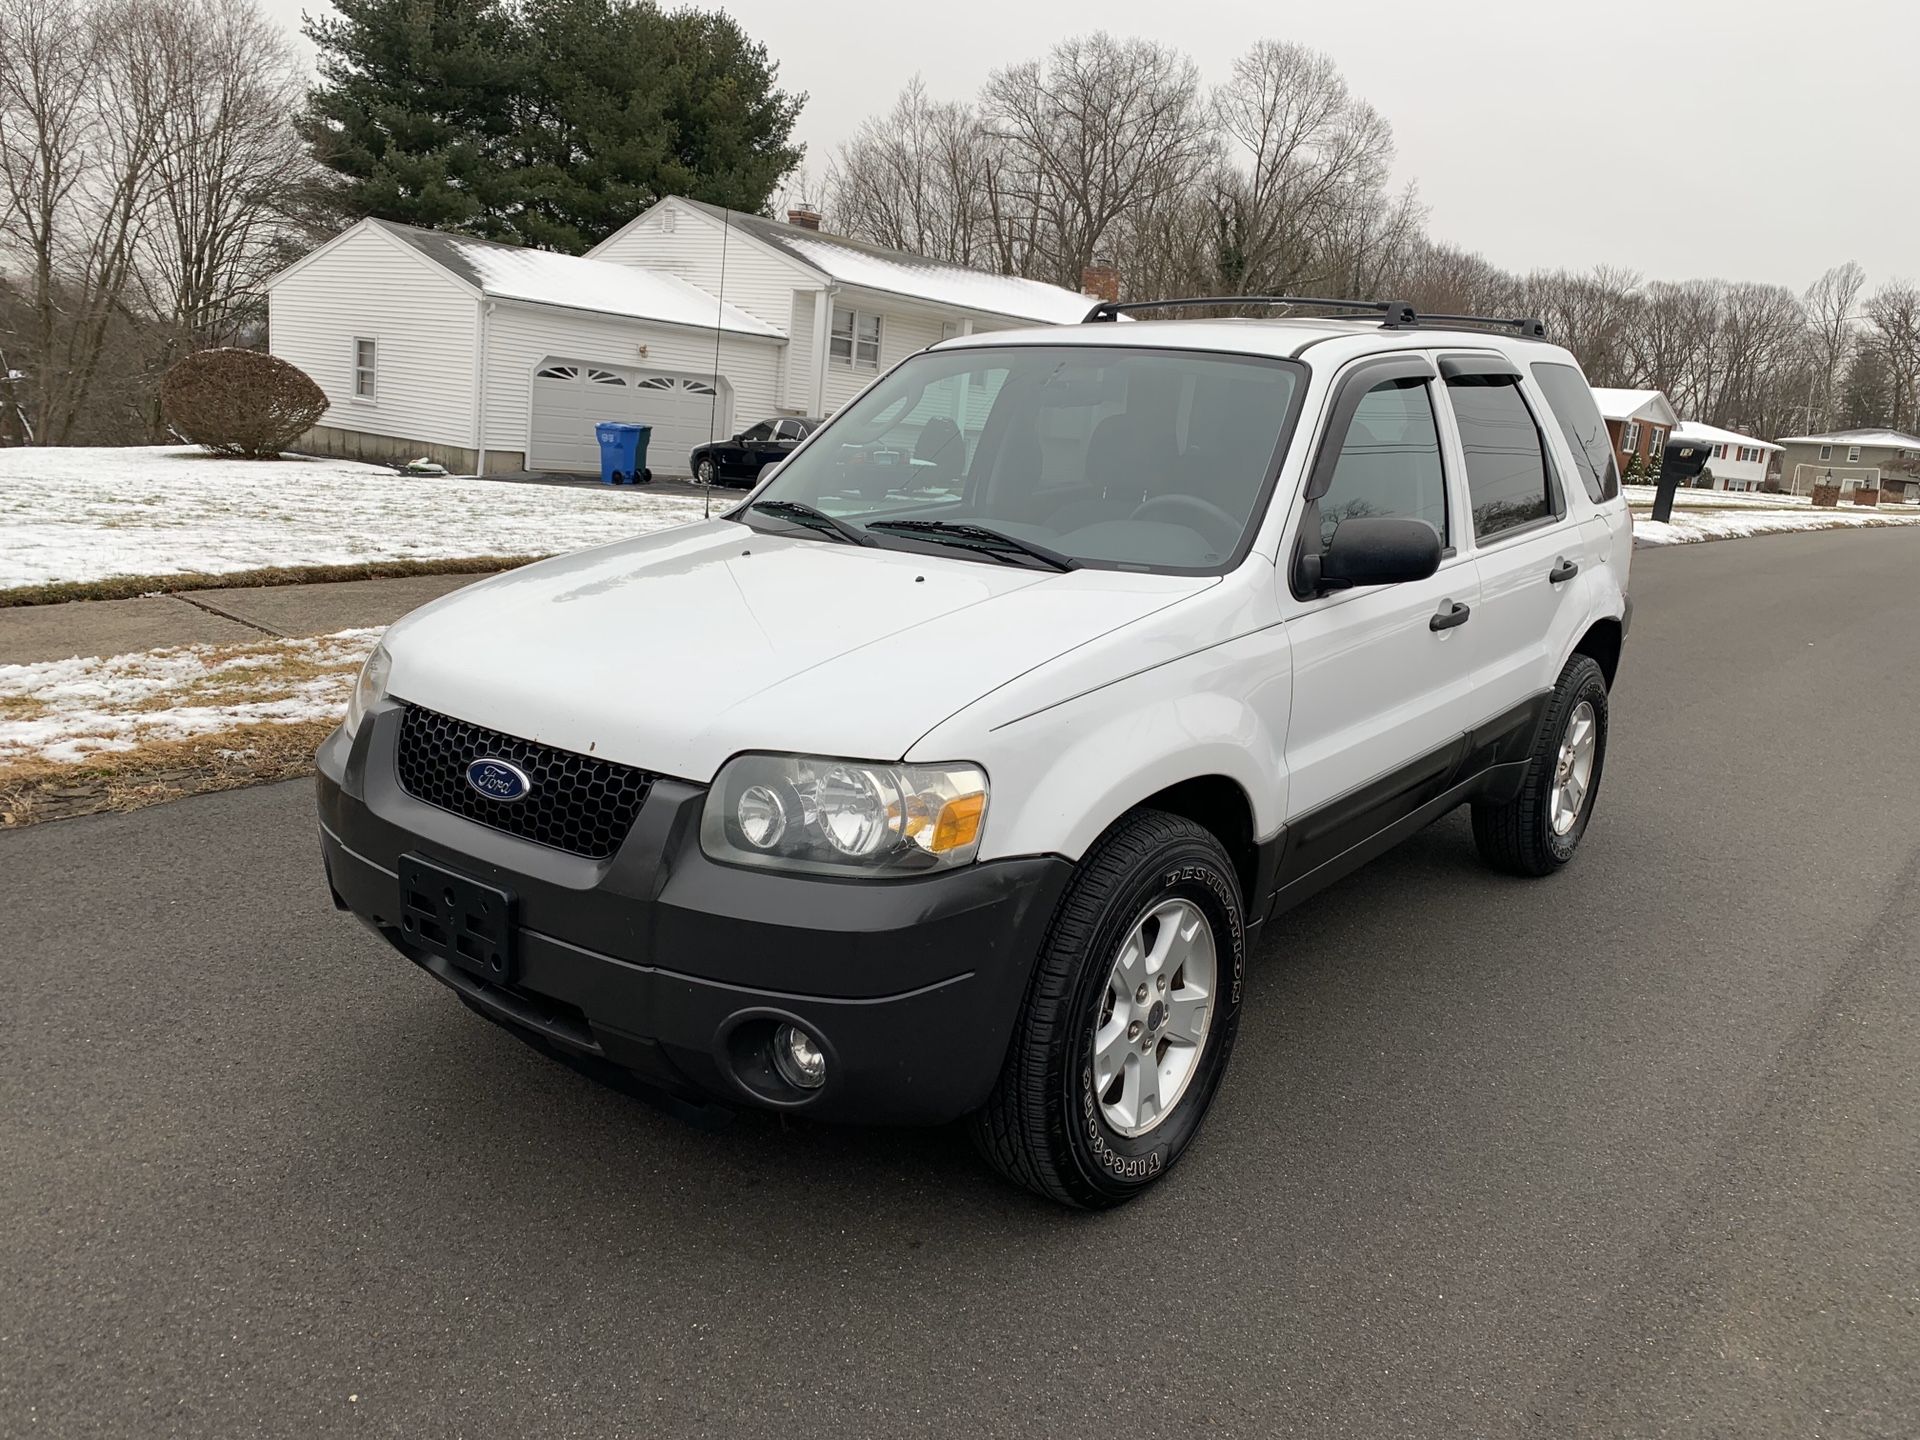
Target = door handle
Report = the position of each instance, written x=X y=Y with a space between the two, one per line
x=1563 y=569
x=1449 y=615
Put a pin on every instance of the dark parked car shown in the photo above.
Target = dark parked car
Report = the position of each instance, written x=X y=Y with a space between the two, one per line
x=740 y=460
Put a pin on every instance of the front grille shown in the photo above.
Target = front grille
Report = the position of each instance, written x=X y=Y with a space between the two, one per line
x=574 y=802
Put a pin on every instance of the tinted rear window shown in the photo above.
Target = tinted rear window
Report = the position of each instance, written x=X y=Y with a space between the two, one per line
x=1506 y=467
x=1579 y=420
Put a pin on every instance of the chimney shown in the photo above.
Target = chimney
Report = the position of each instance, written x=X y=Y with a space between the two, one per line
x=804 y=215
x=1100 y=279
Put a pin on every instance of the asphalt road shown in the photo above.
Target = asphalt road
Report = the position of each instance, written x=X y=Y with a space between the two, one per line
x=1633 y=1151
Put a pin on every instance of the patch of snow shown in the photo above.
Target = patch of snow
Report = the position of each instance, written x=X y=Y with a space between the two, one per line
x=1642 y=497
x=1626 y=404
x=1876 y=439
x=945 y=284
x=1688 y=526
x=1689 y=431
x=601 y=285
x=87 y=513
x=90 y=704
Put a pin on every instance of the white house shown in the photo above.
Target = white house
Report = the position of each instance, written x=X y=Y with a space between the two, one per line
x=692 y=319
x=1739 y=462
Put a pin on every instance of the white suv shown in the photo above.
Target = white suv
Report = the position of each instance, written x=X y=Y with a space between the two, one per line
x=956 y=770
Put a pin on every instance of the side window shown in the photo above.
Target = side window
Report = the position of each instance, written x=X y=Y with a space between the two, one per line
x=762 y=431
x=1506 y=465
x=1579 y=420
x=1389 y=462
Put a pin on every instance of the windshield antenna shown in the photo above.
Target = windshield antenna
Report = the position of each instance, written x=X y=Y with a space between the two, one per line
x=713 y=406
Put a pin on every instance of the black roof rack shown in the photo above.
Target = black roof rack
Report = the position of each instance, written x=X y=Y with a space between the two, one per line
x=1394 y=314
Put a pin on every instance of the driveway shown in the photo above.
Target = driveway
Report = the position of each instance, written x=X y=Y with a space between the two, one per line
x=1632 y=1151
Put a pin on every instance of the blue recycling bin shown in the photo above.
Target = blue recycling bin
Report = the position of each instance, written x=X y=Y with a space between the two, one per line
x=623 y=451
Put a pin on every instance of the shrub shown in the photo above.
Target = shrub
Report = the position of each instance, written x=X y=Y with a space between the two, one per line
x=240 y=402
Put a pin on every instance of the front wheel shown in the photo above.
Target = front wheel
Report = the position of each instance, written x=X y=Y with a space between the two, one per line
x=1539 y=829
x=1129 y=1019
x=704 y=473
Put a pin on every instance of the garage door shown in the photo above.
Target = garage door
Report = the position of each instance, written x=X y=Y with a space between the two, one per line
x=571 y=396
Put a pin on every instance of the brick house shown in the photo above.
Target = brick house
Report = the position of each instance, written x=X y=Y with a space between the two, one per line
x=1639 y=422
x=1883 y=460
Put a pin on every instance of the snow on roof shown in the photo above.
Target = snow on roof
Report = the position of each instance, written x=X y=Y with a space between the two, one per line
x=1631 y=404
x=914 y=277
x=514 y=272
x=1877 y=439
x=1688 y=430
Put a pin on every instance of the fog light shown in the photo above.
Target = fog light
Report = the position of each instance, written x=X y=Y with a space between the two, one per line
x=797 y=1056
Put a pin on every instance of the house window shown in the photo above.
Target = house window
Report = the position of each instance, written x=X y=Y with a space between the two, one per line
x=855 y=339
x=1853 y=453
x=1826 y=452
x=1631 y=442
x=1719 y=452
x=365 y=369
x=1659 y=441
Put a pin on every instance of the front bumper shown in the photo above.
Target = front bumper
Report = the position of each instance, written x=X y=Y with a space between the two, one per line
x=665 y=964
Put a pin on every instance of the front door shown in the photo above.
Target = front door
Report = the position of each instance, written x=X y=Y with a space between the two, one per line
x=1383 y=676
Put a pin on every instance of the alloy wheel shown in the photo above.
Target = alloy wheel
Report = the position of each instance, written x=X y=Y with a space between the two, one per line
x=1154 y=1016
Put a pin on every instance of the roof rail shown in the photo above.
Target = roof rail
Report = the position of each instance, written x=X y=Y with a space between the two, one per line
x=1395 y=314
x=1525 y=324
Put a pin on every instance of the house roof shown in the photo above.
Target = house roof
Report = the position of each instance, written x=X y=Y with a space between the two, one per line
x=1879 y=439
x=1714 y=435
x=901 y=272
x=541 y=277
x=1636 y=405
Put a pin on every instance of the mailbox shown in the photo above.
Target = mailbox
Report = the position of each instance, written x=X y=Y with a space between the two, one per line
x=1684 y=460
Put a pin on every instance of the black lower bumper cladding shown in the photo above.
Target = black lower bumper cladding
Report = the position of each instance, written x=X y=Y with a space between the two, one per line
x=660 y=964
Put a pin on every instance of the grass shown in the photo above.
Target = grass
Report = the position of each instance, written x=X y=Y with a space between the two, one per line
x=129 y=587
x=34 y=790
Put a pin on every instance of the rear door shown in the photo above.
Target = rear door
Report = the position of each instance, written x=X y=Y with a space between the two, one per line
x=1535 y=562
x=1382 y=699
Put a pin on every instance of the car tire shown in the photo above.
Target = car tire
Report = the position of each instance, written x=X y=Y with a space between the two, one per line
x=704 y=473
x=1049 y=1124
x=1531 y=834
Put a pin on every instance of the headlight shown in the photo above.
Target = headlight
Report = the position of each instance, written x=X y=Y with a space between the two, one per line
x=844 y=817
x=370 y=689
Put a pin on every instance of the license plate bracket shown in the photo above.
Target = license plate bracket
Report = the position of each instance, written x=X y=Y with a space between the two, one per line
x=467 y=922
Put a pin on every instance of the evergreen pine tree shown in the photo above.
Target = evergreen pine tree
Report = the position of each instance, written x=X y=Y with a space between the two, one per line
x=551 y=124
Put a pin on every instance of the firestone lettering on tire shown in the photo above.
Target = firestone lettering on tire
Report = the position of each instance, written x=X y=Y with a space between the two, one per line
x=1124 y=1167
x=1219 y=889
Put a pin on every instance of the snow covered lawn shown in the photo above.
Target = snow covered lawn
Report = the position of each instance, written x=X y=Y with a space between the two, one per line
x=69 y=712
x=89 y=513
x=1744 y=516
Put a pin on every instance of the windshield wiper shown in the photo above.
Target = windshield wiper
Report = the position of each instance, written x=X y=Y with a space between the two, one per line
x=813 y=519
x=975 y=537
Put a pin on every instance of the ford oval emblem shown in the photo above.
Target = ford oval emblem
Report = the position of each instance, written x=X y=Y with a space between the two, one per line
x=498 y=780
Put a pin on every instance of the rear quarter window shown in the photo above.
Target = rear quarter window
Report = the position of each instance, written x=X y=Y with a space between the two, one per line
x=1571 y=401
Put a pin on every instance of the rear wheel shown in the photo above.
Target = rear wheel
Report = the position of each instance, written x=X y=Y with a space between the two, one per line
x=1129 y=1020
x=1537 y=832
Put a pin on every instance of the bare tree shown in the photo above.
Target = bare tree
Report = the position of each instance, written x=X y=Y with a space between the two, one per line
x=1894 y=313
x=1100 y=128
x=230 y=172
x=1831 y=319
x=915 y=179
x=1298 y=195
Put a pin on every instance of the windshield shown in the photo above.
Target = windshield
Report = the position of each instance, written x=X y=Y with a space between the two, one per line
x=1131 y=458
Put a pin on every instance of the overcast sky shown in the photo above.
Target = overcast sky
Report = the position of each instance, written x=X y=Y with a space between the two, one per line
x=1753 y=139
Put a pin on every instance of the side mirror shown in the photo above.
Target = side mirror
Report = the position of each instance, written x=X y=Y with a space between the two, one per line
x=1380 y=551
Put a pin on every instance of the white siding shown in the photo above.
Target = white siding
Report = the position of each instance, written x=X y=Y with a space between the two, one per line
x=519 y=337
x=800 y=356
x=759 y=283
x=422 y=320
x=900 y=335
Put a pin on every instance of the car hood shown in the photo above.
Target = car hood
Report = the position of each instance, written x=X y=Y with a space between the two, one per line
x=674 y=651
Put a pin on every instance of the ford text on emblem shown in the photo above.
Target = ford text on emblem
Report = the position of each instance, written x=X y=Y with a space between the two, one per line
x=497 y=780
